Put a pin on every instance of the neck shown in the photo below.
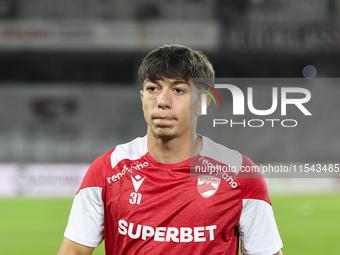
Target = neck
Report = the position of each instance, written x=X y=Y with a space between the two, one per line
x=175 y=150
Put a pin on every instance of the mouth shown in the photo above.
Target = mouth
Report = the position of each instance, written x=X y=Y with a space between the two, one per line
x=163 y=119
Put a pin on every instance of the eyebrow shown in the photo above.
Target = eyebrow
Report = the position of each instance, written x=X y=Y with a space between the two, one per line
x=180 y=82
x=173 y=82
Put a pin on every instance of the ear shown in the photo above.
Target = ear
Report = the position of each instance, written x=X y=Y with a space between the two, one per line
x=203 y=104
x=141 y=94
x=141 y=98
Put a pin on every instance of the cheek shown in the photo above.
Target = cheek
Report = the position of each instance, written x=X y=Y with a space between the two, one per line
x=144 y=107
x=147 y=109
x=192 y=111
x=194 y=106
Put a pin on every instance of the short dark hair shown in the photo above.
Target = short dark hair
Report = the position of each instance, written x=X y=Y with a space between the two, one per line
x=176 y=61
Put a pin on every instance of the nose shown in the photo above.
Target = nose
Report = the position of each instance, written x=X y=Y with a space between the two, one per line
x=164 y=99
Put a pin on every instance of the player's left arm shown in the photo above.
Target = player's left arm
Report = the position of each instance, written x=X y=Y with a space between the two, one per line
x=257 y=226
x=258 y=230
x=69 y=247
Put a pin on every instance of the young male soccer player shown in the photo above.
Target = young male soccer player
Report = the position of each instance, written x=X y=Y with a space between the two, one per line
x=139 y=196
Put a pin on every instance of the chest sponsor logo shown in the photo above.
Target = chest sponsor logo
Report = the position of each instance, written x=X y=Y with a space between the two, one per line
x=138 y=166
x=134 y=166
x=207 y=185
x=167 y=234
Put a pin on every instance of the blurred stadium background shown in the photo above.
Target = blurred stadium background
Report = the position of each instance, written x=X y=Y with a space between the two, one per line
x=69 y=92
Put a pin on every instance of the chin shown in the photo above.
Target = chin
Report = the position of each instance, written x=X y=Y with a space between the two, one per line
x=165 y=136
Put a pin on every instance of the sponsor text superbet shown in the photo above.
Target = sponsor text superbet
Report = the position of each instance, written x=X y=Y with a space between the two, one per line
x=239 y=102
x=167 y=234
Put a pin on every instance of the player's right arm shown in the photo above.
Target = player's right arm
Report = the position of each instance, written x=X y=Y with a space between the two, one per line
x=85 y=227
x=69 y=247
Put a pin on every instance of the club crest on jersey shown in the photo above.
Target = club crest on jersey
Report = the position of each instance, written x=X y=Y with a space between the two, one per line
x=207 y=185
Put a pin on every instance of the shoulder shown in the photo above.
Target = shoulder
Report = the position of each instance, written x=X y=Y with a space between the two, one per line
x=253 y=184
x=221 y=153
x=251 y=180
x=132 y=150
x=104 y=164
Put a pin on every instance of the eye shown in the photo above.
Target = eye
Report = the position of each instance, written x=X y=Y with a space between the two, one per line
x=179 y=90
x=151 y=89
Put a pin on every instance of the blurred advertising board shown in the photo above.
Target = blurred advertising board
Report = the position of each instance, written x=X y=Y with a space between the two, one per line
x=108 y=36
x=41 y=180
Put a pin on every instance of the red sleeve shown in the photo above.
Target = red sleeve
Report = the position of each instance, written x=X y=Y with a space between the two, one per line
x=253 y=184
x=96 y=175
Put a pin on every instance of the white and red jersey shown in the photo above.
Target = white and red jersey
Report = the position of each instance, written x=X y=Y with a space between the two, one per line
x=141 y=206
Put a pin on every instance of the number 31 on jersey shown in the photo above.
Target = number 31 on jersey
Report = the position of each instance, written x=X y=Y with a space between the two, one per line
x=135 y=198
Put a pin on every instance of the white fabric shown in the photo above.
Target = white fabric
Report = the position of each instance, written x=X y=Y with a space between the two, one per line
x=86 y=222
x=258 y=230
x=132 y=150
x=221 y=153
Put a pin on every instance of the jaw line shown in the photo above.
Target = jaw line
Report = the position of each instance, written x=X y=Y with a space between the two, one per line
x=163 y=137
